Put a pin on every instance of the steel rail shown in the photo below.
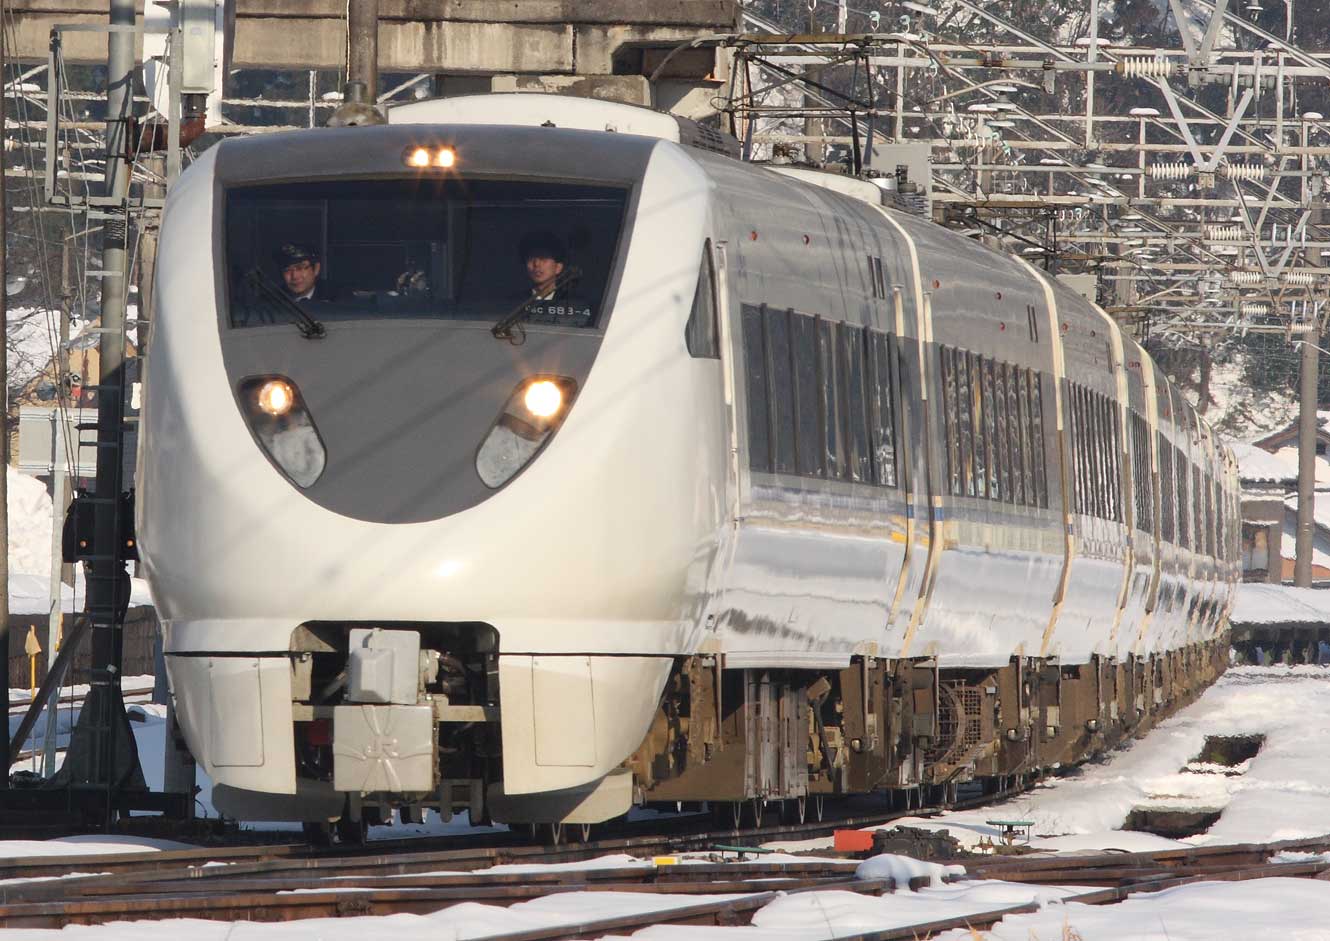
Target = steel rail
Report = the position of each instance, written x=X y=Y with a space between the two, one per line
x=684 y=874
x=269 y=906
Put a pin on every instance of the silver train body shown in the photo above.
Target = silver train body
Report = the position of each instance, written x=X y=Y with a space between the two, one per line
x=827 y=466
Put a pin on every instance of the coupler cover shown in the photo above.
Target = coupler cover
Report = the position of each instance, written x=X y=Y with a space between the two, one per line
x=383 y=748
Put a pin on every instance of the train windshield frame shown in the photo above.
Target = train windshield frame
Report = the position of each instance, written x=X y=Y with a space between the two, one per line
x=422 y=248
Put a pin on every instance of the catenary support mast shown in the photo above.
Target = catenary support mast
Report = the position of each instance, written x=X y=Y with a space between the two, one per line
x=102 y=753
x=1302 y=566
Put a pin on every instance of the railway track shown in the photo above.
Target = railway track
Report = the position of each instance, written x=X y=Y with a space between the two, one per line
x=133 y=694
x=296 y=881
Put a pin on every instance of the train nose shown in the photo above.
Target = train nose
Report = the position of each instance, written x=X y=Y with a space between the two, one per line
x=417 y=422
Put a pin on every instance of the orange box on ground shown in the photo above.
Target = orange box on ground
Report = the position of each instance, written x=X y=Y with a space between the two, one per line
x=853 y=841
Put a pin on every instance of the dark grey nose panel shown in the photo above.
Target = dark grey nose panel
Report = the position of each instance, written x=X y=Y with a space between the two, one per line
x=402 y=407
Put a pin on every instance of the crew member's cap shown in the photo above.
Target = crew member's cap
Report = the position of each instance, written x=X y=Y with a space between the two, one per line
x=293 y=253
x=543 y=244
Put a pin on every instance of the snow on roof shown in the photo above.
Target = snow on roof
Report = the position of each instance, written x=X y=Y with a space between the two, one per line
x=1256 y=465
x=1320 y=507
x=1289 y=456
x=1259 y=603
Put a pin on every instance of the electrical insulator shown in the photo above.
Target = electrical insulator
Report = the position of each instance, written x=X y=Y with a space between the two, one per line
x=1171 y=171
x=1141 y=67
x=1243 y=171
x=1246 y=278
x=1225 y=233
x=1301 y=278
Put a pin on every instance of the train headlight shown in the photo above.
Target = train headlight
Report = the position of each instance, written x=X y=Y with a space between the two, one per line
x=276 y=397
x=532 y=413
x=543 y=398
x=282 y=424
x=421 y=157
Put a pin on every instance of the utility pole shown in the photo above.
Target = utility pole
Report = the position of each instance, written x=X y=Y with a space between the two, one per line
x=59 y=500
x=815 y=153
x=102 y=753
x=362 y=46
x=1307 y=421
x=4 y=382
x=360 y=95
x=1307 y=427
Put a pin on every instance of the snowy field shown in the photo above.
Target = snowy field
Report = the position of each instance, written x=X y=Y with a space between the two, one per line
x=1281 y=793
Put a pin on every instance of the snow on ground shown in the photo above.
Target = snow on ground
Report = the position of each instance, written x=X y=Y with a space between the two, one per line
x=1292 y=909
x=1283 y=792
x=30 y=553
x=29 y=525
x=92 y=844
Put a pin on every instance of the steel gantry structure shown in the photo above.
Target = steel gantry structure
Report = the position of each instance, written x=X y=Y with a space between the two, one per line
x=1197 y=210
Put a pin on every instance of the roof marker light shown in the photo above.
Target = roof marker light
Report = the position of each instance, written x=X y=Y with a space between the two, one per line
x=417 y=157
x=445 y=157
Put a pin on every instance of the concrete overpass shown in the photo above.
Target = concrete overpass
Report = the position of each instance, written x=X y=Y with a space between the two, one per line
x=601 y=48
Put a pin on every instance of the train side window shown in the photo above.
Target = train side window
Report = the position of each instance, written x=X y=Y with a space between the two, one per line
x=1092 y=491
x=782 y=391
x=1077 y=446
x=1083 y=443
x=1113 y=410
x=755 y=363
x=1037 y=439
x=1000 y=441
x=1137 y=481
x=1015 y=435
x=1098 y=465
x=858 y=457
x=1088 y=443
x=979 y=441
x=826 y=359
x=990 y=432
x=1166 y=532
x=1110 y=459
x=882 y=414
x=1098 y=473
x=1180 y=497
x=952 y=426
x=808 y=395
x=1199 y=501
x=1027 y=436
x=964 y=403
x=1141 y=484
x=701 y=334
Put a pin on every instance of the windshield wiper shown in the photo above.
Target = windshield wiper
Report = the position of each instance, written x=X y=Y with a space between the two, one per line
x=503 y=330
x=309 y=328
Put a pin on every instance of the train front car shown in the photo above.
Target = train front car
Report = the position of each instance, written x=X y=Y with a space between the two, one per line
x=417 y=402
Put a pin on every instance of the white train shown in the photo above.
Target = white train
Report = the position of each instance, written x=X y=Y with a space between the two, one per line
x=767 y=493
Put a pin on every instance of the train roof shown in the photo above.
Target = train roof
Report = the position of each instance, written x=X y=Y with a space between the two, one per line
x=483 y=149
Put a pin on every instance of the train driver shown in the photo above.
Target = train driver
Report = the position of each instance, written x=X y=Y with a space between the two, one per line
x=300 y=267
x=552 y=295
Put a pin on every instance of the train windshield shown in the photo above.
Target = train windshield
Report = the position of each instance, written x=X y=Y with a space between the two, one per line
x=422 y=249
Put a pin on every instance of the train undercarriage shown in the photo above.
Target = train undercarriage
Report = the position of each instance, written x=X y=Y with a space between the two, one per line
x=735 y=738
x=777 y=735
